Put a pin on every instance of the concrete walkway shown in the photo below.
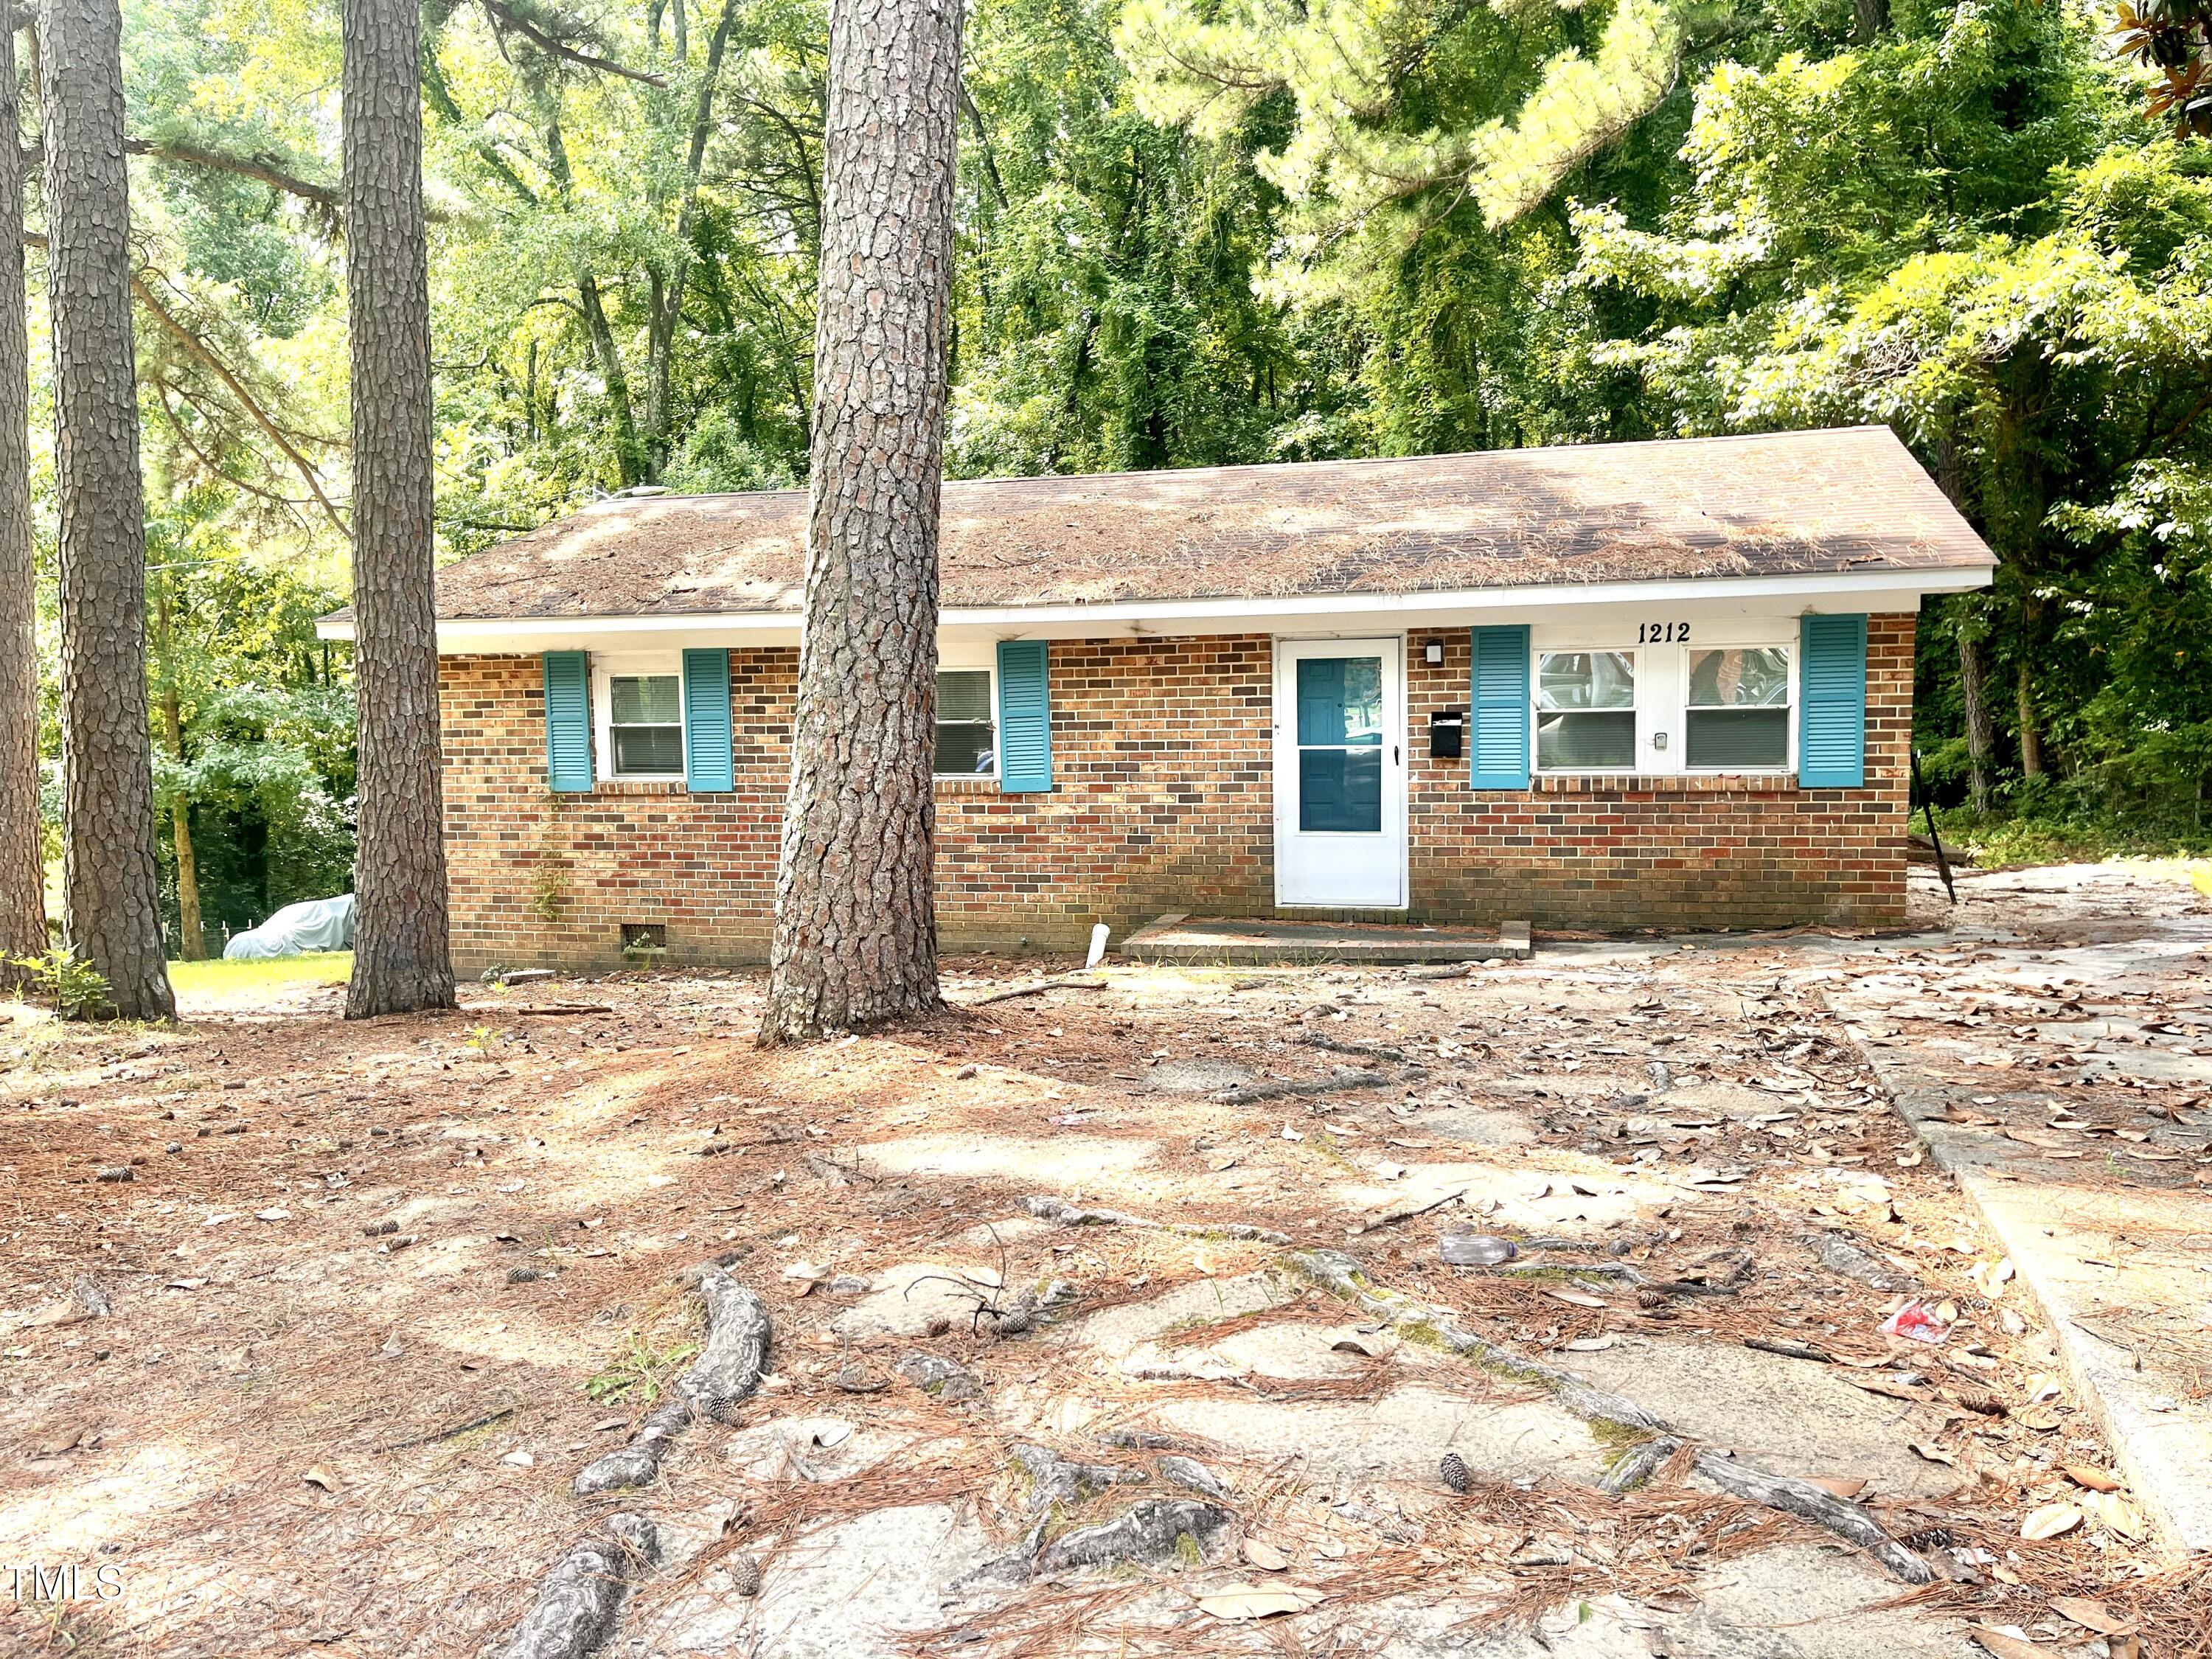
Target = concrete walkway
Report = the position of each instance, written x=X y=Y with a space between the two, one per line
x=2109 y=1226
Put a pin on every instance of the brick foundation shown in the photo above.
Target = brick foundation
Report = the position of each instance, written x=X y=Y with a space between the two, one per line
x=1162 y=800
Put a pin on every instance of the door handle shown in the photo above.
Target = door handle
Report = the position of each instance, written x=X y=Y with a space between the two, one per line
x=1393 y=753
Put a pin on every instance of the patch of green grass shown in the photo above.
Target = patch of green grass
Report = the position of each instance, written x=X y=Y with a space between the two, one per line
x=2016 y=840
x=219 y=978
x=641 y=1370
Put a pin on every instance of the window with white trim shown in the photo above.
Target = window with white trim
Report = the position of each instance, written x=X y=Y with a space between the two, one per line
x=1664 y=696
x=967 y=727
x=1736 y=715
x=638 y=705
x=1585 y=711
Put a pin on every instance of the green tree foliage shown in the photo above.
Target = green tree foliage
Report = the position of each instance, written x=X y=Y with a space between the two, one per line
x=1963 y=231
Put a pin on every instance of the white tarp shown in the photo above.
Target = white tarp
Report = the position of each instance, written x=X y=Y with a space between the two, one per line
x=310 y=925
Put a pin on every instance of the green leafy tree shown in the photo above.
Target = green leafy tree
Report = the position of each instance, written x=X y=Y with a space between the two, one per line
x=1960 y=232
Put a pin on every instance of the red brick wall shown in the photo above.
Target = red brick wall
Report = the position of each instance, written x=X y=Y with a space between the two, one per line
x=1162 y=793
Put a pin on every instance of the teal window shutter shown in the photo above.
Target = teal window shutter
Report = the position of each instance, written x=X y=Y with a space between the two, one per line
x=569 y=722
x=1831 y=683
x=1024 y=718
x=1499 y=746
x=708 y=767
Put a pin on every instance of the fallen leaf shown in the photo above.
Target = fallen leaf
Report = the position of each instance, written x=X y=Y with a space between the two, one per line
x=2042 y=1419
x=1936 y=1454
x=318 y=1476
x=1591 y=1344
x=1836 y=1485
x=2096 y=1480
x=1579 y=1298
x=2004 y=1644
x=2051 y=1521
x=1259 y=1600
x=2093 y=1615
x=1265 y=1556
x=2116 y=1513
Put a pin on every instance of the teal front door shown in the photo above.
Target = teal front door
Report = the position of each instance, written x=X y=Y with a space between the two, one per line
x=1339 y=774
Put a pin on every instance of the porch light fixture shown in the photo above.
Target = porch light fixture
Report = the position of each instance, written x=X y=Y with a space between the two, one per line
x=1433 y=652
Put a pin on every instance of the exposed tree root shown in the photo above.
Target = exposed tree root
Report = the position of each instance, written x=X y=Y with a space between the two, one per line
x=1150 y=1534
x=581 y=1598
x=1047 y=1208
x=1338 y=1273
x=728 y=1370
x=1037 y=987
x=1341 y=1081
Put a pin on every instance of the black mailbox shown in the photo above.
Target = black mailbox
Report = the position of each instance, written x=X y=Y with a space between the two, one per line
x=1447 y=732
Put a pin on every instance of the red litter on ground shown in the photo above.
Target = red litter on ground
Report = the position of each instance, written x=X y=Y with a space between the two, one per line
x=1913 y=1320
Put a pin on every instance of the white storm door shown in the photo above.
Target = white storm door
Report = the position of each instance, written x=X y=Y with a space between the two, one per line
x=1340 y=773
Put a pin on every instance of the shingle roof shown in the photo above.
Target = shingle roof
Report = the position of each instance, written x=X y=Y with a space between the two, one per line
x=1783 y=504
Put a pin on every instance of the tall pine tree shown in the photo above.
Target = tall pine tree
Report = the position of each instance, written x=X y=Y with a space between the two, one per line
x=112 y=913
x=855 y=913
x=402 y=958
x=22 y=875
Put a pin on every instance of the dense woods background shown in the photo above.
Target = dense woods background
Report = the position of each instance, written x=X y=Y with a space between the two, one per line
x=1196 y=234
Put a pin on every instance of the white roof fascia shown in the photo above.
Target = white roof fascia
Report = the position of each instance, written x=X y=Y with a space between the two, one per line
x=1693 y=598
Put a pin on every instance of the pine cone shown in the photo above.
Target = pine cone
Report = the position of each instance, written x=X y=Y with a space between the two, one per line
x=1453 y=1471
x=744 y=1574
x=1980 y=1401
x=1016 y=1319
x=1648 y=1298
x=938 y=1326
x=1930 y=1538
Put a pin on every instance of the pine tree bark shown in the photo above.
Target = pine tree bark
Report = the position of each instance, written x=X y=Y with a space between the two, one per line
x=856 y=915
x=402 y=958
x=110 y=881
x=22 y=875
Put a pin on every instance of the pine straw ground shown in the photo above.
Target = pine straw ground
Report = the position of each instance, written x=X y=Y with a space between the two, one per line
x=294 y=1436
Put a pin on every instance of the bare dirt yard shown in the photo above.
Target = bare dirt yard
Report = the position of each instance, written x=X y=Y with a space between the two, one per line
x=1155 y=1311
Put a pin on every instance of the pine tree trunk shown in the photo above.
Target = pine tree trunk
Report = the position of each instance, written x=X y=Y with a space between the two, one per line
x=855 y=912
x=110 y=881
x=1981 y=738
x=23 y=877
x=402 y=957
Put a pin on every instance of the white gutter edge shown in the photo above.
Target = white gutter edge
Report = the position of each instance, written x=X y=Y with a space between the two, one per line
x=457 y=633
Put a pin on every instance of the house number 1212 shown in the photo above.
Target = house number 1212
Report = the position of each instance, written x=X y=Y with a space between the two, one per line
x=1662 y=633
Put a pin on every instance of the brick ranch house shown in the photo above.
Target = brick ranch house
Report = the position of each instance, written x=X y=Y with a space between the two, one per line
x=1598 y=687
